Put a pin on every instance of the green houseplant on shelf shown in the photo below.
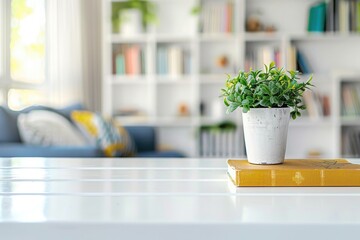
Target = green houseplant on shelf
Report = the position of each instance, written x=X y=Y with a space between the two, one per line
x=132 y=16
x=268 y=98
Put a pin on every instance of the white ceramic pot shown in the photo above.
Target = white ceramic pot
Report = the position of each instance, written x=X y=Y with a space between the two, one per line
x=131 y=22
x=265 y=131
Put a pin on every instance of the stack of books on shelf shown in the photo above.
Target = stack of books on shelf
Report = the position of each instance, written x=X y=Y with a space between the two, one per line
x=173 y=60
x=217 y=17
x=257 y=57
x=217 y=142
x=128 y=59
x=351 y=142
x=296 y=60
x=334 y=16
x=350 y=104
x=317 y=105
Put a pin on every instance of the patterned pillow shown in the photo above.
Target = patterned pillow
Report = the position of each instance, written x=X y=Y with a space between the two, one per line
x=46 y=128
x=113 y=141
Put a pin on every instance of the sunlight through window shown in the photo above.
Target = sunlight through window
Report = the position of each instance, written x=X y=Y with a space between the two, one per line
x=21 y=98
x=27 y=44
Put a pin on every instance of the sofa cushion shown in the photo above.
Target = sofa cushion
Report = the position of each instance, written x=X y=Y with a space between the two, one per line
x=23 y=150
x=8 y=123
x=113 y=141
x=144 y=137
x=8 y=119
x=47 y=128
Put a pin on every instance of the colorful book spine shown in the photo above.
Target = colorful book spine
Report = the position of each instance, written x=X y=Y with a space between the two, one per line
x=217 y=17
x=128 y=60
x=317 y=16
x=358 y=16
x=303 y=65
x=120 y=64
x=344 y=13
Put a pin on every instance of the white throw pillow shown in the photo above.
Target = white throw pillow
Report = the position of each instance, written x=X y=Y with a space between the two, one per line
x=46 y=128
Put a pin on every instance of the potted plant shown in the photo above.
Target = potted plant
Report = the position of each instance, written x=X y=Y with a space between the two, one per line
x=267 y=98
x=132 y=16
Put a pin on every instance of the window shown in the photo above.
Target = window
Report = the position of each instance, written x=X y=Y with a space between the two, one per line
x=27 y=41
x=23 y=52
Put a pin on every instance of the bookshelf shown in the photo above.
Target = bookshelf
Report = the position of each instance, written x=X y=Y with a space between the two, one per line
x=179 y=102
x=347 y=110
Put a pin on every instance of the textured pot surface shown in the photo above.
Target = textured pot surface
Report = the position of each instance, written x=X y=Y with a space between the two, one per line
x=265 y=131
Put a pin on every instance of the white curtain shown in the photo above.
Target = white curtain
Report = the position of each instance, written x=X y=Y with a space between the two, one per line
x=74 y=52
x=92 y=54
x=64 y=51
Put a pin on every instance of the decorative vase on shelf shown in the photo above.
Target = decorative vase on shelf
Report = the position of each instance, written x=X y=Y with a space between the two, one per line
x=267 y=98
x=131 y=22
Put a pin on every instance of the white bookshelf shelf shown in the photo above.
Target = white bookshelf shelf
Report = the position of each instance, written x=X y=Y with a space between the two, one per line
x=136 y=39
x=264 y=37
x=324 y=36
x=176 y=79
x=215 y=37
x=213 y=78
x=350 y=121
x=170 y=38
x=128 y=79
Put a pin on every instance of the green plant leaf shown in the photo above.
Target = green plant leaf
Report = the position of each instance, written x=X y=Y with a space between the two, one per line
x=243 y=81
x=245 y=102
x=271 y=87
x=265 y=102
x=245 y=109
x=265 y=89
x=274 y=100
x=272 y=65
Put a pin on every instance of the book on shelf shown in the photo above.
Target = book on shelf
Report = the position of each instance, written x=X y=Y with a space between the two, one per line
x=357 y=16
x=128 y=60
x=344 y=13
x=317 y=16
x=257 y=57
x=302 y=64
x=317 y=105
x=217 y=17
x=295 y=173
x=291 y=58
x=173 y=60
x=330 y=16
x=336 y=15
x=351 y=142
x=296 y=60
x=350 y=96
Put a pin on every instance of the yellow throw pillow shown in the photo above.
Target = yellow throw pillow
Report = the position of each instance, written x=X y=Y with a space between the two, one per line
x=113 y=141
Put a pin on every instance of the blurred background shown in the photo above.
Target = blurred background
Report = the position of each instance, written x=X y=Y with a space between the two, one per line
x=162 y=64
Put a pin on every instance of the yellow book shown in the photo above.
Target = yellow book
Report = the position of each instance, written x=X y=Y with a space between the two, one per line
x=295 y=172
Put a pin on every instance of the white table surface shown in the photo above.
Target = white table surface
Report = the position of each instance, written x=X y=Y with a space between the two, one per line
x=133 y=198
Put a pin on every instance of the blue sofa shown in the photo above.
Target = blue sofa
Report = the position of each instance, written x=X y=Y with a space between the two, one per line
x=11 y=145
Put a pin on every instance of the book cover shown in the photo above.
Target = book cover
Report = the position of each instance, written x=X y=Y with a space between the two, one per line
x=291 y=58
x=344 y=13
x=295 y=173
x=317 y=15
x=303 y=63
x=330 y=15
x=352 y=9
x=120 y=66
